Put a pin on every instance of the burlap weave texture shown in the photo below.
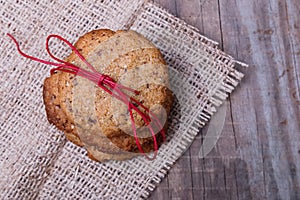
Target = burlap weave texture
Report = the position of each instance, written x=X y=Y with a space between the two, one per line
x=36 y=161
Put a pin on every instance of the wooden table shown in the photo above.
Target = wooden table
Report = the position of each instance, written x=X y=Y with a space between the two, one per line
x=258 y=153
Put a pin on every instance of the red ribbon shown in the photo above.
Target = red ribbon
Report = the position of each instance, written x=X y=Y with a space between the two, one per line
x=104 y=82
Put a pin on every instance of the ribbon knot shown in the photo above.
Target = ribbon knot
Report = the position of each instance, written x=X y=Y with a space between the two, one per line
x=102 y=78
x=106 y=83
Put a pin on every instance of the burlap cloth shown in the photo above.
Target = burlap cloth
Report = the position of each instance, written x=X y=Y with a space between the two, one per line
x=36 y=161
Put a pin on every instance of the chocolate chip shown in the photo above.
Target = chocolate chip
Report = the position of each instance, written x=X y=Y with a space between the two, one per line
x=75 y=83
x=99 y=53
x=93 y=121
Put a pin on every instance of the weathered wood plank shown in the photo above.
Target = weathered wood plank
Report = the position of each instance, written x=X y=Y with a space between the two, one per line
x=258 y=153
x=257 y=32
x=169 y=5
x=211 y=182
x=162 y=191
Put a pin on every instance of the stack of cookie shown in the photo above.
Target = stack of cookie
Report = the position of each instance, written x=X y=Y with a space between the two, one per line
x=92 y=118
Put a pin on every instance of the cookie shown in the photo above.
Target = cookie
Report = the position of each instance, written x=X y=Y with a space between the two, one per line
x=91 y=117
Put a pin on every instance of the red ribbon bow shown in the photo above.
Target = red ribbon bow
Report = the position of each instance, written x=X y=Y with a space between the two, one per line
x=104 y=82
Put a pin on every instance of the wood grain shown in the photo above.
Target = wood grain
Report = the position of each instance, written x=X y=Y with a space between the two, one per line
x=258 y=153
